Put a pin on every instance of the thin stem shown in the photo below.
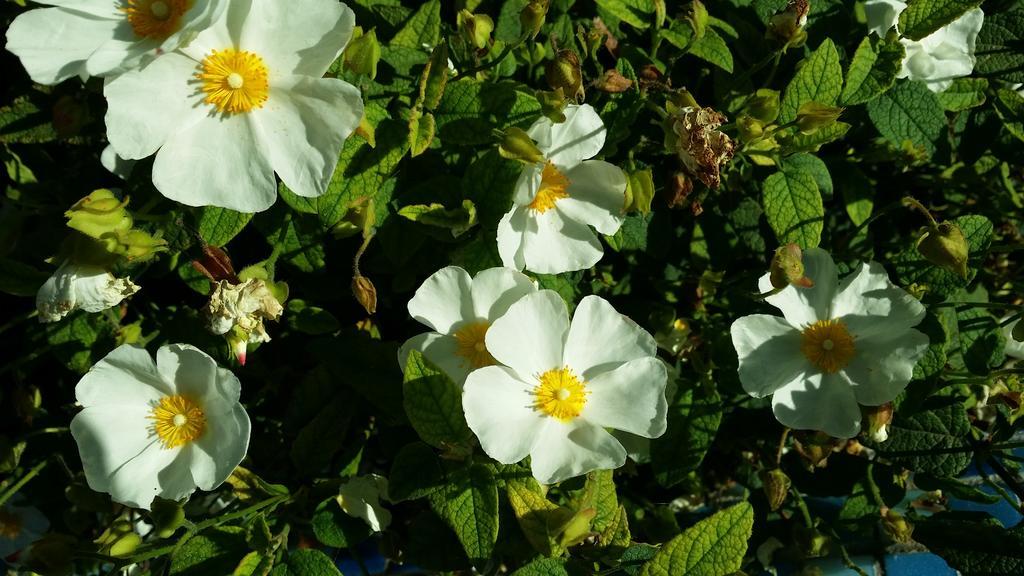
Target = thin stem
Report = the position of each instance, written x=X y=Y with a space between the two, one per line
x=1006 y=477
x=32 y=473
x=846 y=555
x=913 y=203
x=494 y=61
x=802 y=507
x=782 y=446
x=988 y=482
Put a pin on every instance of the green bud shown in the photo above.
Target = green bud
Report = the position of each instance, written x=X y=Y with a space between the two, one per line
x=363 y=53
x=750 y=128
x=896 y=527
x=119 y=539
x=98 y=214
x=813 y=116
x=660 y=13
x=945 y=246
x=517 y=145
x=532 y=16
x=475 y=28
x=764 y=105
x=787 y=268
x=137 y=245
x=639 y=191
x=167 y=517
x=776 y=487
x=564 y=73
x=552 y=103
x=787 y=27
x=698 y=18
x=536 y=52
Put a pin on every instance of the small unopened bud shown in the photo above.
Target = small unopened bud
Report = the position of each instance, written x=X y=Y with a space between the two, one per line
x=787 y=27
x=876 y=421
x=363 y=53
x=750 y=128
x=138 y=245
x=698 y=18
x=238 y=343
x=813 y=116
x=945 y=246
x=517 y=145
x=613 y=82
x=365 y=293
x=552 y=104
x=532 y=16
x=764 y=105
x=167 y=517
x=564 y=72
x=815 y=448
x=896 y=527
x=98 y=214
x=776 y=487
x=787 y=268
x=119 y=539
x=639 y=191
x=475 y=28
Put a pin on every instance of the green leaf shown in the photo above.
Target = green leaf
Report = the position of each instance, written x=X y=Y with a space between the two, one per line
x=433 y=403
x=714 y=546
x=922 y=17
x=810 y=164
x=310 y=319
x=214 y=551
x=636 y=13
x=857 y=192
x=543 y=567
x=1010 y=107
x=998 y=48
x=913 y=268
x=914 y=438
x=415 y=473
x=909 y=112
x=22 y=122
x=712 y=49
x=306 y=562
x=421 y=132
x=872 y=71
x=982 y=342
x=470 y=110
x=975 y=548
x=456 y=221
x=217 y=226
x=333 y=527
x=469 y=504
x=490 y=182
x=541 y=520
x=424 y=27
x=793 y=206
x=820 y=80
x=321 y=437
x=963 y=94
x=693 y=420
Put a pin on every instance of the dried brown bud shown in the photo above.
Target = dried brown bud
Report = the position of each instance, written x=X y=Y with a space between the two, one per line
x=365 y=293
x=564 y=72
x=776 y=487
x=701 y=146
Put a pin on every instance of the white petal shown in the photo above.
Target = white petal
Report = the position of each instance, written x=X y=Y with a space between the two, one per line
x=597 y=195
x=216 y=162
x=439 y=349
x=96 y=8
x=146 y=107
x=803 y=306
x=96 y=289
x=203 y=15
x=221 y=448
x=822 y=402
x=499 y=410
x=495 y=289
x=569 y=449
x=294 y=39
x=195 y=374
x=871 y=305
x=882 y=15
x=530 y=337
x=126 y=377
x=553 y=244
x=883 y=364
x=303 y=126
x=769 y=353
x=630 y=398
x=115 y=164
x=56 y=297
x=122 y=51
x=360 y=498
x=527 y=184
x=568 y=143
x=444 y=300
x=601 y=339
x=1014 y=349
x=157 y=471
x=53 y=43
x=510 y=237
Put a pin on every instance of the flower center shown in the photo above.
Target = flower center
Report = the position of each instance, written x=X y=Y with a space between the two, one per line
x=156 y=19
x=828 y=345
x=10 y=525
x=553 y=185
x=177 y=420
x=471 y=344
x=234 y=81
x=560 y=394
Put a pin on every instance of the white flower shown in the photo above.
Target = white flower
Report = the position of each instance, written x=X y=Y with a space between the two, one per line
x=360 y=498
x=104 y=37
x=245 y=99
x=547 y=230
x=561 y=385
x=1013 y=348
x=244 y=305
x=115 y=164
x=158 y=429
x=460 y=309
x=19 y=527
x=74 y=286
x=839 y=346
x=938 y=58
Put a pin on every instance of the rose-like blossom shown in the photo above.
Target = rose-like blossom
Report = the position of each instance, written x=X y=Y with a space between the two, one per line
x=938 y=58
x=159 y=428
x=244 y=100
x=360 y=498
x=701 y=146
x=85 y=287
x=558 y=199
x=840 y=345
x=560 y=386
x=460 y=310
x=20 y=526
x=104 y=37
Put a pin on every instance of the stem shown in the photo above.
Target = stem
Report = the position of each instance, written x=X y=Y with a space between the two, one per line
x=911 y=202
x=802 y=507
x=1007 y=478
x=846 y=555
x=782 y=445
x=876 y=494
x=32 y=473
x=999 y=489
x=494 y=61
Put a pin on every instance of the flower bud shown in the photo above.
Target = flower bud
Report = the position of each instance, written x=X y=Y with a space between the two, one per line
x=945 y=246
x=517 y=145
x=552 y=103
x=475 y=28
x=138 y=245
x=365 y=293
x=787 y=268
x=639 y=191
x=697 y=16
x=776 y=487
x=363 y=53
x=787 y=27
x=813 y=116
x=876 y=421
x=119 y=539
x=896 y=527
x=750 y=128
x=764 y=105
x=167 y=517
x=98 y=214
x=564 y=72
x=815 y=448
x=532 y=16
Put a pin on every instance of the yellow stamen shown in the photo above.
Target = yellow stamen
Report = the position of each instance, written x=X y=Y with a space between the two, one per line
x=553 y=186
x=234 y=81
x=828 y=345
x=10 y=525
x=156 y=19
x=471 y=344
x=560 y=394
x=177 y=420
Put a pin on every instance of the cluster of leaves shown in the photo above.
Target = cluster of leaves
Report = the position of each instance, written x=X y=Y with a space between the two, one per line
x=426 y=185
